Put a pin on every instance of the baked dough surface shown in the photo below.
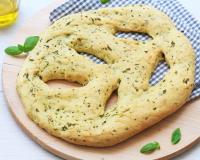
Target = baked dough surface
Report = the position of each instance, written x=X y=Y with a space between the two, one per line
x=78 y=115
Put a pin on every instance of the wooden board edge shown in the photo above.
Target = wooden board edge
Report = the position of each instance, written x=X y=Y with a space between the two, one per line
x=57 y=152
x=60 y=154
x=182 y=150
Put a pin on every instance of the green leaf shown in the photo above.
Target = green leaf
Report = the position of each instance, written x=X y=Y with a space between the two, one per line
x=13 y=50
x=176 y=136
x=20 y=47
x=104 y=1
x=30 y=43
x=150 y=147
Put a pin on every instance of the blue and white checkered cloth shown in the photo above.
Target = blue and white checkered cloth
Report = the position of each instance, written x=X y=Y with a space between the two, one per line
x=184 y=21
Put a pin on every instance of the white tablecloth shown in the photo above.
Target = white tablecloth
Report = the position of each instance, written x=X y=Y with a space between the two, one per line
x=14 y=143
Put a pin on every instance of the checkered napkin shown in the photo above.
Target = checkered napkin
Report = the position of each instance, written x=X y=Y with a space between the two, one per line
x=184 y=21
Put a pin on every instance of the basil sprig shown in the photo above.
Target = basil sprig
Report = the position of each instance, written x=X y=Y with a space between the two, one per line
x=150 y=147
x=104 y=1
x=176 y=136
x=29 y=45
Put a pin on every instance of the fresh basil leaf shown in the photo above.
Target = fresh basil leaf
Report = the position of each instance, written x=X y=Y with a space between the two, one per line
x=20 y=47
x=13 y=50
x=176 y=136
x=104 y=1
x=150 y=147
x=30 y=43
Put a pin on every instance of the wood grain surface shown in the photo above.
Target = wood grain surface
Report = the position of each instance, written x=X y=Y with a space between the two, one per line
x=187 y=118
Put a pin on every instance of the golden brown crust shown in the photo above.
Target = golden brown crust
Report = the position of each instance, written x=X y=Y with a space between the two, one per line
x=78 y=115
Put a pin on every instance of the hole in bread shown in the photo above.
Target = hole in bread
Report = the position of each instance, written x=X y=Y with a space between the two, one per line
x=134 y=35
x=92 y=58
x=63 y=84
x=112 y=100
x=159 y=73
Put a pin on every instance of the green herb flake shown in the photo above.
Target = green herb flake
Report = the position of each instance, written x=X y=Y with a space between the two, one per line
x=64 y=128
x=30 y=43
x=173 y=44
x=164 y=91
x=176 y=136
x=104 y=1
x=150 y=147
x=186 y=80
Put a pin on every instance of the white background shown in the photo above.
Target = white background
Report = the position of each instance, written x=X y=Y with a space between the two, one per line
x=14 y=143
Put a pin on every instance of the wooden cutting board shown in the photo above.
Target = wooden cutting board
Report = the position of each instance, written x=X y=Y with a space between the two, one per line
x=187 y=118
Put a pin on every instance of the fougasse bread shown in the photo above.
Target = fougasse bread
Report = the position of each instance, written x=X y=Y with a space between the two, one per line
x=78 y=115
